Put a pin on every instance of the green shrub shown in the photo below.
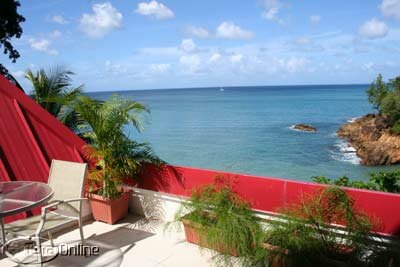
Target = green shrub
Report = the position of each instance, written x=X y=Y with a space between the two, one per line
x=390 y=106
x=385 y=97
x=308 y=235
x=345 y=181
x=381 y=181
x=387 y=181
x=226 y=221
x=396 y=127
x=377 y=91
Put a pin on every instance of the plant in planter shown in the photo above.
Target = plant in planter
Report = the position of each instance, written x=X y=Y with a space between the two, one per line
x=115 y=156
x=221 y=220
x=309 y=235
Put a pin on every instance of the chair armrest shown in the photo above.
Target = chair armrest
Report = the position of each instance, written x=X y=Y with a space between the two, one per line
x=54 y=204
x=59 y=202
x=51 y=205
x=74 y=200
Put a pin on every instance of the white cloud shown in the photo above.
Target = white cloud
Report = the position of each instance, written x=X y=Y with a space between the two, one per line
x=216 y=57
x=155 y=9
x=315 y=19
x=305 y=44
x=42 y=45
x=190 y=62
x=229 y=30
x=197 y=31
x=391 y=8
x=368 y=66
x=271 y=10
x=159 y=68
x=293 y=64
x=236 y=58
x=373 y=29
x=59 y=19
x=55 y=34
x=188 y=46
x=271 y=13
x=271 y=3
x=115 y=68
x=104 y=19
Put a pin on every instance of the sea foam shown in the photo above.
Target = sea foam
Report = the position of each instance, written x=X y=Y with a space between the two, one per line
x=344 y=152
x=353 y=119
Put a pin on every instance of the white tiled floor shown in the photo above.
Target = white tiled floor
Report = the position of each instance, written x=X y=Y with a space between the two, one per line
x=133 y=242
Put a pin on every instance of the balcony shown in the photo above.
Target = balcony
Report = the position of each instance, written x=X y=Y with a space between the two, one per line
x=135 y=241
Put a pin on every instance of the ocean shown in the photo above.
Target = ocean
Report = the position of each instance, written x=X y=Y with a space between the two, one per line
x=248 y=129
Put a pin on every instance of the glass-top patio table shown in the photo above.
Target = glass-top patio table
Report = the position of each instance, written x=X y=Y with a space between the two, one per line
x=20 y=196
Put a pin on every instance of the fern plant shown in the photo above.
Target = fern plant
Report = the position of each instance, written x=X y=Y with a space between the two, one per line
x=310 y=237
x=227 y=223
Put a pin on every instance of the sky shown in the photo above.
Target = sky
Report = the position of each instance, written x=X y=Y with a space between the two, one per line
x=129 y=45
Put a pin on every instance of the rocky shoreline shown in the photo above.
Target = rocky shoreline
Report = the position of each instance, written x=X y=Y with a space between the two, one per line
x=371 y=137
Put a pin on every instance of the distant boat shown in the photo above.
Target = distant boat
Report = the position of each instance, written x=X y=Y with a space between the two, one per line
x=221 y=89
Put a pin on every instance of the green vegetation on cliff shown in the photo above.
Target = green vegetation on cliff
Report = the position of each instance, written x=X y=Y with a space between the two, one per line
x=381 y=181
x=385 y=98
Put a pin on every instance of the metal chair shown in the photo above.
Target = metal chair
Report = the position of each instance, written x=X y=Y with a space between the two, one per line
x=67 y=180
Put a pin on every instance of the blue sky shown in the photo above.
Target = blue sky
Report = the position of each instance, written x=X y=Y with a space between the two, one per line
x=127 y=44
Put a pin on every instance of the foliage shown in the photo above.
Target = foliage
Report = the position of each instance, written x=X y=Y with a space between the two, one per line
x=377 y=91
x=226 y=221
x=324 y=230
x=116 y=156
x=387 y=181
x=391 y=109
x=396 y=127
x=308 y=231
x=10 y=21
x=385 y=97
x=53 y=91
x=344 y=181
x=381 y=181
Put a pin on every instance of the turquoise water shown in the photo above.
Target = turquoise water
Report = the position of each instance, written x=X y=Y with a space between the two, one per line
x=247 y=129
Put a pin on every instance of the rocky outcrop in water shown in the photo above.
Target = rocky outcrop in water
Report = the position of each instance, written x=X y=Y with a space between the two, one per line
x=304 y=127
x=371 y=137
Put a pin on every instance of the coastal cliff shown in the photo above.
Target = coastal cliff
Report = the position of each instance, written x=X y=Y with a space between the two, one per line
x=371 y=137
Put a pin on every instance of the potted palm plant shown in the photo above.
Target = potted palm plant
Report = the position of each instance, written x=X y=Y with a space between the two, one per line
x=113 y=154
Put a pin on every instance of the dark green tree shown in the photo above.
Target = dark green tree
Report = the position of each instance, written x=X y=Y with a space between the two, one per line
x=377 y=91
x=395 y=84
x=385 y=98
x=10 y=27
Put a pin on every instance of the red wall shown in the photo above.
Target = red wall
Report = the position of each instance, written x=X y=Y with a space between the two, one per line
x=270 y=194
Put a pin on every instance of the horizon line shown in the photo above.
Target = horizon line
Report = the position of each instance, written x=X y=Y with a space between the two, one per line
x=230 y=86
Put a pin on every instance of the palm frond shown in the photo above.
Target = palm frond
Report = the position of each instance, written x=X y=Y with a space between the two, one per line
x=53 y=91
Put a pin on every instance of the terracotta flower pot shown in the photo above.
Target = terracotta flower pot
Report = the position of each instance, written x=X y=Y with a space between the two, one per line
x=109 y=210
x=195 y=236
x=277 y=257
